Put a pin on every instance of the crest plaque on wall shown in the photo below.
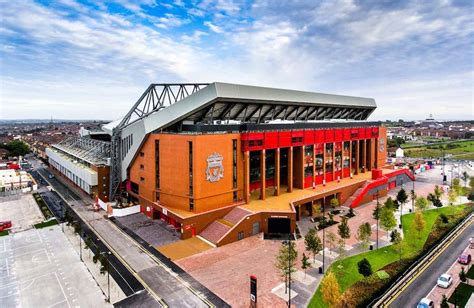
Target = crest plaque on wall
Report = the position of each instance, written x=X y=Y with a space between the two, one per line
x=215 y=168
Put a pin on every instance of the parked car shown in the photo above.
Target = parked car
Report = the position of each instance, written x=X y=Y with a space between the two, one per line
x=444 y=281
x=50 y=176
x=4 y=225
x=425 y=303
x=464 y=259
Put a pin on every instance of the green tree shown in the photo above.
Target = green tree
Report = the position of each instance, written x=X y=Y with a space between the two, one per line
x=421 y=203
x=331 y=292
x=363 y=234
x=395 y=237
x=286 y=259
x=305 y=264
x=389 y=203
x=419 y=223
x=387 y=219
x=313 y=243
x=17 y=148
x=457 y=186
x=376 y=212
x=343 y=230
x=334 y=202
x=452 y=197
x=402 y=197
x=331 y=239
x=438 y=192
x=364 y=267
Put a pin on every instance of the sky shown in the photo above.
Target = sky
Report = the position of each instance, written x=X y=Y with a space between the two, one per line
x=79 y=59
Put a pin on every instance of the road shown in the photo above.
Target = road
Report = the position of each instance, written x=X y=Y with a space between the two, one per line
x=423 y=284
x=160 y=281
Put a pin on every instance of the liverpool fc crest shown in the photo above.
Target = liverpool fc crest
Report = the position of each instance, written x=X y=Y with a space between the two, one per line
x=215 y=168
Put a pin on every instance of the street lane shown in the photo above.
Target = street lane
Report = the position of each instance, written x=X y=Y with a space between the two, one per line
x=423 y=284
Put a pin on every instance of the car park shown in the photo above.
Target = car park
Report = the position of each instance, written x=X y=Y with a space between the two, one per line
x=444 y=281
x=464 y=258
x=425 y=303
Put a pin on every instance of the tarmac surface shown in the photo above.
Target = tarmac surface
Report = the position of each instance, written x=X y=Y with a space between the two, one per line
x=39 y=268
x=425 y=282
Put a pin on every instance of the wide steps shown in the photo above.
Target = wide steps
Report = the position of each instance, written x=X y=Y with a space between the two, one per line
x=236 y=215
x=214 y=231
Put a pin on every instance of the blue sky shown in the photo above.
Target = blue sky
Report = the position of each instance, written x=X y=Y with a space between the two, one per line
x=75 y=59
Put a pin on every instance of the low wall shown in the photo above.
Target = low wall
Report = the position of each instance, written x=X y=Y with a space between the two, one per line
x=116 y=212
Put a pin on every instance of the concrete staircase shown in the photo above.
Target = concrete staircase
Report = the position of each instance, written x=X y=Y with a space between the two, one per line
x=218 y=228
x=351 y=199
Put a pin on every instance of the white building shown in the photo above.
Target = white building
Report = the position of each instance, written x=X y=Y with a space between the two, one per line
x=399 y=153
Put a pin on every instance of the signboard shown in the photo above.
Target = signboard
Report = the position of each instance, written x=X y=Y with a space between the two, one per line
x=215 y=168
x=253 y=289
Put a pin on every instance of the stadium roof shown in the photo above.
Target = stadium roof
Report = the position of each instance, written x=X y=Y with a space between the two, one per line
x=242 y=103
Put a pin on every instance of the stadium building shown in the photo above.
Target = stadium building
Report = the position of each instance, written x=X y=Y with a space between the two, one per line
x=226 y=161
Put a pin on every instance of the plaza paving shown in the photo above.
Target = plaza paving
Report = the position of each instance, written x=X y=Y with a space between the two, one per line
x=39 y=268
x=232 y=264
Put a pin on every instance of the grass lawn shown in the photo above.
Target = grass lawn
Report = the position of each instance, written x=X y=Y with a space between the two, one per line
x=462 y=150
x=462 y=293
x=346 y=269
x=4 y=233
x=45 y=224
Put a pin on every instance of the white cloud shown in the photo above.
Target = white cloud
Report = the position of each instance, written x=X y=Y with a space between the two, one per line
x=213 y=27
x=171 y=21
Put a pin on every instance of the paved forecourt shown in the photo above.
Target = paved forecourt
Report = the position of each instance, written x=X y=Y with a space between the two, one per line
x=22 y=210
x=39 y=268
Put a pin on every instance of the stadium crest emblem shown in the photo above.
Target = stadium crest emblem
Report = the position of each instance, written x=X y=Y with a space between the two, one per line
x=215 y=168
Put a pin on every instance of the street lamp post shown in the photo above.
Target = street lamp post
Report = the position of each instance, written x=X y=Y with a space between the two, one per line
x=108 y=273
x=324 y=236
x=378 y=216
x=289 y=269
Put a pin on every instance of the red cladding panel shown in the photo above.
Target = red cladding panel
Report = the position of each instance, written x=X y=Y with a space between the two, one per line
x=347 y=134
x=329 y=135
x=375 y=132
x=368 y=132
x=309 y=137
x=361 y=133
x=354 y=133
x=271 y=140
x=284 y=139
x=297 y=137
x=255 y=136
x=297 y=133
x=338 y=135
x=319 y=136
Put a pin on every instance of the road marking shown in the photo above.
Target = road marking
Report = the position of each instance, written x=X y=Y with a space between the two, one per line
x=425 y=266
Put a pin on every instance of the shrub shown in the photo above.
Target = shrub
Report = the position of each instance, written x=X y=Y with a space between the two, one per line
x=365 y=269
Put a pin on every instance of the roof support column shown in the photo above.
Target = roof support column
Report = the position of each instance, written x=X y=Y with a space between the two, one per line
x=357 y=158
x=333 y=161
x=277 y=172
x=364 y=155
x=324 y=164
x=262 y=175
x=314 y=166
x=246 y=176
x=290 y=169
x=299 y=167
x=350 y=158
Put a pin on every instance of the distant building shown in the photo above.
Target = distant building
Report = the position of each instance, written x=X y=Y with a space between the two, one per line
x=399 y=153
